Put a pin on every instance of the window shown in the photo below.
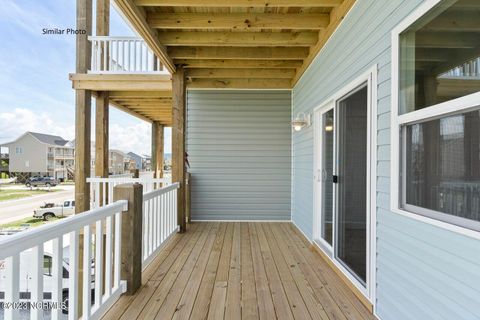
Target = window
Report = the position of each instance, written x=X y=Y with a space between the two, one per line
x=18 y=150
x=439 y=56
x=436 y=116
x=47 y=265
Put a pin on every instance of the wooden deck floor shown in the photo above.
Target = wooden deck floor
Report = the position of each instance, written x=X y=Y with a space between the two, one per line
x=239 y=271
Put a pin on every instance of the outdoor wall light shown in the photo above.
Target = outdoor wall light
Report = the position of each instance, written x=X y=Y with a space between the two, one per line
x=329 y=128
x=301 y=121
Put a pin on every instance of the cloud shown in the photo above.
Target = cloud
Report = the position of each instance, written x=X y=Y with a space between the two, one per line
x=135 y=137
x=16 y=122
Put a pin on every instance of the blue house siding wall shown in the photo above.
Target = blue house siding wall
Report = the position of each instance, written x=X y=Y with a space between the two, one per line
x=239 y=149
x=423 y=272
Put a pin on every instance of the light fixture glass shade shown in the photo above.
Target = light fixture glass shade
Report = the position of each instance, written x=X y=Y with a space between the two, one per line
x=300 y=122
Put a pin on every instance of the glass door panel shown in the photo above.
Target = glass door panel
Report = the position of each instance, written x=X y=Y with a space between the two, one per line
x=327 y=176
x=351 y=222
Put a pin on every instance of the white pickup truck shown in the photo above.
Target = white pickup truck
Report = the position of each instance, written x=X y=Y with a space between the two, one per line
x=50 y=210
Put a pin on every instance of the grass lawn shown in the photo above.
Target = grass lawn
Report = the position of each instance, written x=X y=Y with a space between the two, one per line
x=32 y=222
x=12 y=194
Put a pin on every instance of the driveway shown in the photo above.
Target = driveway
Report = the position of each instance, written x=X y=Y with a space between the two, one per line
x=14 y=210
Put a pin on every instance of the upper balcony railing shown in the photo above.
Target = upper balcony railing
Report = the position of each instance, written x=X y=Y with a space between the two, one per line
x=123 y=55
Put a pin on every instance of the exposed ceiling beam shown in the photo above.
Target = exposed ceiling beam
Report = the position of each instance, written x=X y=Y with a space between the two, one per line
x=267 y=53
x=240 y=39
x=455 y=20
x=130 y=112
x=446 y=40
x=237 y=63
x=121 y=82
x=239 y=3
x=136 y=16
x=241 y=73
x=238 y=21
x=140 y=94
x=240 y=83
x=336 y=17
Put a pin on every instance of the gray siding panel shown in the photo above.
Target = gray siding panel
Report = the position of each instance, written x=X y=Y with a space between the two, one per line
x=423 y=272
x=239 y=147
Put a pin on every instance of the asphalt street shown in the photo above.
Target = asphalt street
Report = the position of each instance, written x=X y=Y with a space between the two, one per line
x=14 y=210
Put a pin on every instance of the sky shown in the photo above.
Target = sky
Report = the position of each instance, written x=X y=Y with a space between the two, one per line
x=35 y=92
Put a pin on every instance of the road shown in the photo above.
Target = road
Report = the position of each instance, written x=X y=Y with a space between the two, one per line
x=15 y=210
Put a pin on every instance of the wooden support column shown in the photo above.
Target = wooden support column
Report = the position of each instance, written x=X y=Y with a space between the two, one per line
x=102 y=99
x=178 y=141
x=83 y=109
x=101 y=135
x=131 y=234
x=157 y=149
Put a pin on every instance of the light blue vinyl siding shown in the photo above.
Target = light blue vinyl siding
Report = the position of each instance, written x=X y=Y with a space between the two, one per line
x=239 y=149
x=423 y=272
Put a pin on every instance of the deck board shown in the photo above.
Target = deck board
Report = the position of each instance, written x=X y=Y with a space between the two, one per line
x=239 y=270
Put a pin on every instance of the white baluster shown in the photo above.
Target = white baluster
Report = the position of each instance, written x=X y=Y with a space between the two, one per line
x=118 y=244
x=73 y=277
x=98 y=262
x=36 y=293
x=57 y=277
x=87 y=271
x=108 y=257
x=12 y=265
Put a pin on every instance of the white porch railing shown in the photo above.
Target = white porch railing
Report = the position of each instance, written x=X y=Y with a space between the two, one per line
x=101 y=189
x=123 y=55
x=159 y=220
x=121 y=175
x=22 y=258
x=145 y=174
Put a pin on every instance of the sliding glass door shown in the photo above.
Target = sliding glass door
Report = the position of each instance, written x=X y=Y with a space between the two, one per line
x=351 y=227
x=342 y=180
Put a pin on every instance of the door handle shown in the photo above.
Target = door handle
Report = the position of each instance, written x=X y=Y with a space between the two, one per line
x=335 y=178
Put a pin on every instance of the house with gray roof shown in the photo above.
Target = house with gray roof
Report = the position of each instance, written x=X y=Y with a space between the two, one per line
x=41 y=154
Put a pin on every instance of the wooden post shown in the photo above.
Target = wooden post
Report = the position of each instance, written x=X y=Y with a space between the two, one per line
x=178 y=141
x=83 y=109
x=101 y=135
x=157 y=149
x=131 y=234
x=83 y=101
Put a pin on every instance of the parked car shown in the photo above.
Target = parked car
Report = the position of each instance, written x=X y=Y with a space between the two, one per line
x=41 y=181
x=26 y=271
x=51 y=210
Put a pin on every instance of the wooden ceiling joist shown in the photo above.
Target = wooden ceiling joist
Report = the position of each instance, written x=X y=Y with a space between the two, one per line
x=238 y=21
x=241 y=73
x=140 y=94
x=238 y=63
x=267 y=53
x=238 y=39
x=241 y=83
x=251 y=44
x=239 y=3
x=121 y=82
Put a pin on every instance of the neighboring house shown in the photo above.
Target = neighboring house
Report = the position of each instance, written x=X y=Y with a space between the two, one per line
x=141 y=161
x=129 y=164
x=117 y=162
x=41 y=154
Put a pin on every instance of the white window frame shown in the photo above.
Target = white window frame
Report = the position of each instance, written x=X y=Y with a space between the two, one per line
x=444 y=109
x=370 y=78
x=18 y=150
